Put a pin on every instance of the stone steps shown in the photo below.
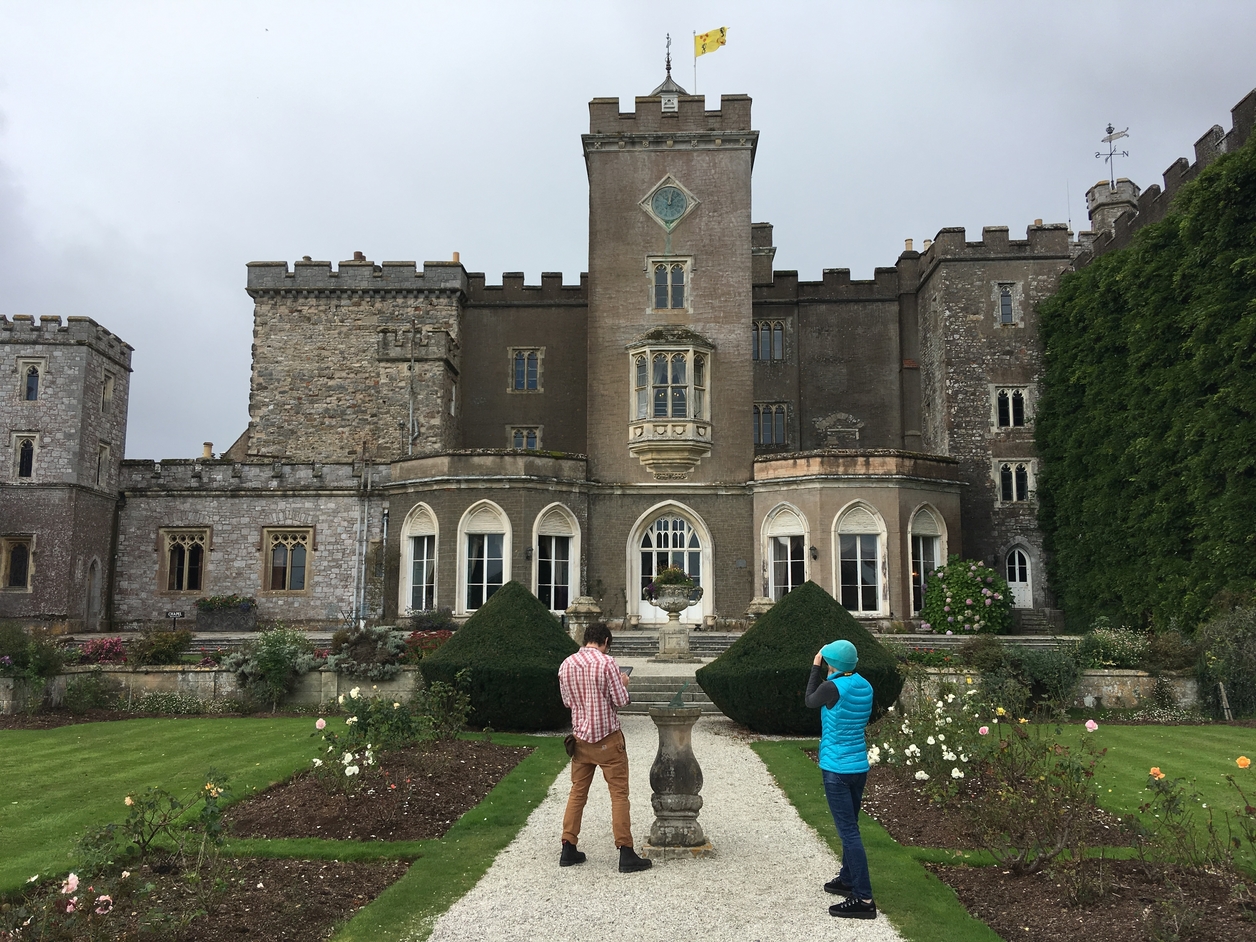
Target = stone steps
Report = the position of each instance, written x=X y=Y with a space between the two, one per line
x=657 y=690
x=703 y=644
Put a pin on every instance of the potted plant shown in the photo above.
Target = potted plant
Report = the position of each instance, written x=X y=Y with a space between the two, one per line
x=669 y=583
x=226 y=613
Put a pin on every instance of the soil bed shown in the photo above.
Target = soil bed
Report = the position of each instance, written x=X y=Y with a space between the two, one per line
x=413 y=794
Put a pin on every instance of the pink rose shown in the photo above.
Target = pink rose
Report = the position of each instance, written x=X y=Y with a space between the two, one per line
x=984 y=731
x=104 y=905
x=1091 y=726
x=70 y=885
x=321 y=724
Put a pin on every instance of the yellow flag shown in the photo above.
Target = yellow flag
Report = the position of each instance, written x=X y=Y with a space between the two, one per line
x=709 y=42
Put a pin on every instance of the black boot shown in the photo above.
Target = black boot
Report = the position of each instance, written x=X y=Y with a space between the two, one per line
x=629 y=862
x=570 y=855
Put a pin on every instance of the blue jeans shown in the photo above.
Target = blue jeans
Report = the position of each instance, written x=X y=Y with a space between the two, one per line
x=844 y=790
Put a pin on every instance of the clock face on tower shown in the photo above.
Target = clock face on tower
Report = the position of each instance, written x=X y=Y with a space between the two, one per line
x=669 y=203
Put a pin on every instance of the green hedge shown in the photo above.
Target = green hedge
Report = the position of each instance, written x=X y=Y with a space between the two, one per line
x=512 y=646
x=761 y=680
x=1147 y=423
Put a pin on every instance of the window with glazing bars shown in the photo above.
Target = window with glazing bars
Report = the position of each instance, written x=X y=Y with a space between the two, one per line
x=527 y=370
x=1010 y=405
x=767 y=340
x=769 y=424
x=669 y=285
x=1014 y=481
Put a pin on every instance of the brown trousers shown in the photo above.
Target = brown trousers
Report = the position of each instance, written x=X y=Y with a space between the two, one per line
x=611 y=755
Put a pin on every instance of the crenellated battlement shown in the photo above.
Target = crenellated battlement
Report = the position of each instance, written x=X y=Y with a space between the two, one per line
x=356 y=274
x=397 y=343
x=691 y=116
x=1040 y=240
x=1153 y=203
x=181 y=474
x=835 y=285
x=76 y=330
x=514 y=292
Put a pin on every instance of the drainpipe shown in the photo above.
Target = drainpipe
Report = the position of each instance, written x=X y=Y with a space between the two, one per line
x=113 y=559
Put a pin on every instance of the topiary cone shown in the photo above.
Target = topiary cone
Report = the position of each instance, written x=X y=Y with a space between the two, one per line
x=512 y=647
x=761 y=680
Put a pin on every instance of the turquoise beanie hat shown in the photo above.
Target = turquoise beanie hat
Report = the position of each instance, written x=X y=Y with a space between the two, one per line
x=840 y=655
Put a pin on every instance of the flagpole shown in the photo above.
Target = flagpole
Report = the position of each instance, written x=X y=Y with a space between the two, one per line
x=695 y=62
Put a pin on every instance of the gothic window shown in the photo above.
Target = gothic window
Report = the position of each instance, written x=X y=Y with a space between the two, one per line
x=557 y=547
x=24 y=445
x=770 y=424
x=15 y=562
x=1010 y=407
x=1007 y=315
x=32 y=383
x=525 y=437
x=789 y=564
x=671 y=384
x=1015 y=480
x=859 y=536
x=525 y=369
x=287 y=559
x=671 y=541
x=185 y=559
x=669 y=285
x=926 y=551
x=106 y=393
x=102 y=465
x=423 y=573
x=767 y=340
x=485 y=566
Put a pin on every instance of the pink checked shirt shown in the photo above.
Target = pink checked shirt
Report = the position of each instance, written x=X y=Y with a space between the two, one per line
x=590 y=684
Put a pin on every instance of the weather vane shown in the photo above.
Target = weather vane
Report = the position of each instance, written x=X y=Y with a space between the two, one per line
x=1110 y=157
x=669 y=53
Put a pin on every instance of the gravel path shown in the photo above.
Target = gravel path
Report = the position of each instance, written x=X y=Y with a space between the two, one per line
x=763 y=884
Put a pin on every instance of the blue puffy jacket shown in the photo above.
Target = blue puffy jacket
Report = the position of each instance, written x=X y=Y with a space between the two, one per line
x=843 y=747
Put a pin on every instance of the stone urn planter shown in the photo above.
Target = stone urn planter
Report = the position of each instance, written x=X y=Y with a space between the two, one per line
x=676 y=780
x=674 y=637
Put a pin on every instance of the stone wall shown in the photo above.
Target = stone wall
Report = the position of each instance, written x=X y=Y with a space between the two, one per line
x=1098 y=689
x=236 y=501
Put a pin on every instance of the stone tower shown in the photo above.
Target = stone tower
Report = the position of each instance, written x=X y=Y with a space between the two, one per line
x=63 y=411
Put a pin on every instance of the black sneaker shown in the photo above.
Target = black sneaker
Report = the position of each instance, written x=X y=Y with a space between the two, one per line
x=837 y=887
x=570 y=855
x=852 y=908
x=629 y=862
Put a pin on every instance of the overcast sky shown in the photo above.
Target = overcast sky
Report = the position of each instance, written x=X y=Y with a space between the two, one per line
x=149 y=150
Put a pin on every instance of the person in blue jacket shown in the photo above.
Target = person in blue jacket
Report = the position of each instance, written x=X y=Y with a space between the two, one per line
x=845 y=702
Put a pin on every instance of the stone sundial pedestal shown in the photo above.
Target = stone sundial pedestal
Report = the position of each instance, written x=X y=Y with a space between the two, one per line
x=676 y=779
x=673 y=636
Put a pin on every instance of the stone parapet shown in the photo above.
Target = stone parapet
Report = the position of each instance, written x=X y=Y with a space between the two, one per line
x=691 y=116
x=491 y=463
x=198 y=474
x=865 y=465
x=23 y=329
x=355 y=275
x=513 y=292
x=1098 y=689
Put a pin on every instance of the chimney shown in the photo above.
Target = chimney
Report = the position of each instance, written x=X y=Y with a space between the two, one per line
x=207 y=450
x=456 y=262
x=359 y=256
x=1037 y=222
x=907 y=245
x=927 y=243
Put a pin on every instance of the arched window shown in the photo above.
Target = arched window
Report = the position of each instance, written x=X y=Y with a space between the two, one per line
x=288 y=558
x=1010 y=407
x=1014 y=481
x=926 y=551
x=32 y=383
x=671 y=385
x=1018 y=579
x=418 y=537
x=671 y=541
x=556 y=558
x=770 y=424
x=669 y=285
x=486 y=562
x=767 y=340
x=787 y=553
x=17 y=562
x=25 y=457
x=859 y=560
x=527 y=370
x=1006 y=317
x=185 y=560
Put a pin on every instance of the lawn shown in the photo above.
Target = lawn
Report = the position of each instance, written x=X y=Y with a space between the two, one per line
x=57 y=782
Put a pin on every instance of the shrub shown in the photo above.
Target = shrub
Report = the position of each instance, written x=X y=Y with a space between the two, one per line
x=178 y=704
x=1015 y=678
x=219 y=603
x=268 y=666
x=90 y=691
x=1228 y=656
x=966 y=596
x=440 y=619
x=29 y=655
x=373 y=653
x=422 y=643
x=159 y=647
x=103 y=651
x=1169 y=651
x=761 y=680
x=512 y=647
x=1117 y=648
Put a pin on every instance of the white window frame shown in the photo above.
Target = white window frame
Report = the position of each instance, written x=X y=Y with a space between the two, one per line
x=421 y=521
x=1031 y=480
x=697 y=396
x=882 y=590
x=271 y=536
x=639 y=607
x=546 y=524
x=7 y=543
x=940 y=548
x=1029 y=573
x=505 y=530
x=783 y=522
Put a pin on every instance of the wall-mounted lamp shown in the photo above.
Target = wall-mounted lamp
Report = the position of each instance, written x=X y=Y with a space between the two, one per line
x=527 y=554
x=815 y=553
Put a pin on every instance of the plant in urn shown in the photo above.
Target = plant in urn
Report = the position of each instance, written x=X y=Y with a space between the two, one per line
x=673 y=591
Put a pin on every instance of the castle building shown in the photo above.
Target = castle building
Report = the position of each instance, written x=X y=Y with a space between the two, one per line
x=418 y=437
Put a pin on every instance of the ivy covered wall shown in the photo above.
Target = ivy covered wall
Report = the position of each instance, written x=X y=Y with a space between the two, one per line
x=1146 y=428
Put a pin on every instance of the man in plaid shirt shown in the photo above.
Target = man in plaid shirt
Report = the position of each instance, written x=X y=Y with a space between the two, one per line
x=593 y=686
